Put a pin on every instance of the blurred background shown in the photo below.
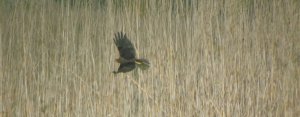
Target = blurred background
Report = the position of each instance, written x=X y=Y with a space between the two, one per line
x=238 y=58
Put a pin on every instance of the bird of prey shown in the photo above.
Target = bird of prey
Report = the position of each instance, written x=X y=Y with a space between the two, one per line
x=128 y=60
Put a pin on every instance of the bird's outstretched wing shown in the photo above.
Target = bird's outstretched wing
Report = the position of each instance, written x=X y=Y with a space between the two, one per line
x=125 y=47
x=125 y=67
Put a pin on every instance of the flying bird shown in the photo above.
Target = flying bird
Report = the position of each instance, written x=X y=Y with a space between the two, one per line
x=128 y=60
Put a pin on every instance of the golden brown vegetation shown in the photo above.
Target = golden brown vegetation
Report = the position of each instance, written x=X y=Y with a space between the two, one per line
x=208 y=58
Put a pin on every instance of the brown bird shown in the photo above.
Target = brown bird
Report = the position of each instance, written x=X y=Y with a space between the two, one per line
x=128 y=60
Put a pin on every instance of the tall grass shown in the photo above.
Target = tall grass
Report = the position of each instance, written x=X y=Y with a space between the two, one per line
x=208 y=58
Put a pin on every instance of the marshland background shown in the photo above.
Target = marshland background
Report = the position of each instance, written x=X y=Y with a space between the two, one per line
x=237 y=58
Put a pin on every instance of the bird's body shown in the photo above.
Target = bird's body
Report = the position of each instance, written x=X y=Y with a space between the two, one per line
x=127 y=60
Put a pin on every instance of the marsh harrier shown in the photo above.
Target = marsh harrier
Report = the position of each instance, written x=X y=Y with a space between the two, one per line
x=128 y=60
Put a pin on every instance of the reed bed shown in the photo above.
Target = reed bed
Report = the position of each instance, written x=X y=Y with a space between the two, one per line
x=208 y=58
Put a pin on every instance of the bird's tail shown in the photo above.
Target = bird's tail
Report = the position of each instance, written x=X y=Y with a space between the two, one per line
x=142 y=63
